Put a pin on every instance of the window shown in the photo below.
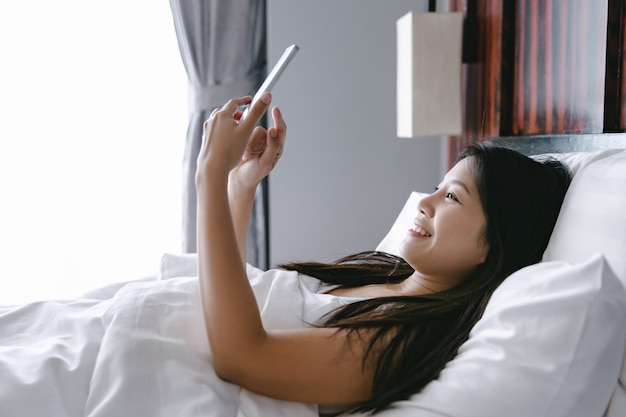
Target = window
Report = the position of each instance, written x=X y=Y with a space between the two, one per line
x=93 y=114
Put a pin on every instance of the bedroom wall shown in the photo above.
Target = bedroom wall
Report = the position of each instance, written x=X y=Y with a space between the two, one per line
x=344 y=175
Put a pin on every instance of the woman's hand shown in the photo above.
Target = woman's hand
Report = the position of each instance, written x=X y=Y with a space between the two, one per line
x=261 y=155
x=225 y=138
x=235 y=156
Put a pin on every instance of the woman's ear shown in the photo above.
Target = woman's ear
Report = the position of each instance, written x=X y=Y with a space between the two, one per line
x=484 y=244
x=486 y=252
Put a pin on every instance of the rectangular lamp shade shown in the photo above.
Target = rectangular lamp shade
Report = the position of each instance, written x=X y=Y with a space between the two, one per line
x=429 y=48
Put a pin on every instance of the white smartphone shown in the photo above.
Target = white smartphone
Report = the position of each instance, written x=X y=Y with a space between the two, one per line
x=273 y=76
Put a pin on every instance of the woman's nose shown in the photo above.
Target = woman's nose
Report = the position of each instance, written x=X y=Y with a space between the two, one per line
x=424 y=213
x=425 y=207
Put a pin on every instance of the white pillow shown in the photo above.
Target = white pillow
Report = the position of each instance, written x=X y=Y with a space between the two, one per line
x=593 y=219
x=178 y=265
x=547 y=346
x=593 y=216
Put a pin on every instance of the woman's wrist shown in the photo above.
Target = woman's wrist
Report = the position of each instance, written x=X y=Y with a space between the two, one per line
x=207 y=182
x=239 y=186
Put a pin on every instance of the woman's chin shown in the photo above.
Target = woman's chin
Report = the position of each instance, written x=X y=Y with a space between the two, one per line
x=403 y=249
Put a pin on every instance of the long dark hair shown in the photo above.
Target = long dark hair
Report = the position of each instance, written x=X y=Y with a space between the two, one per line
x=415 y=336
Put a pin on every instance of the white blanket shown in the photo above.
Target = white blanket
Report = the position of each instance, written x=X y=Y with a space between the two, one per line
x=142 y=352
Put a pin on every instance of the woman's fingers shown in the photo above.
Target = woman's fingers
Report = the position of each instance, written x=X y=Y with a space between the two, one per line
x=256 y=112
x=279 y=123
x=257 y=143
x=275 y=140
x=233 y=105
x=232 y=109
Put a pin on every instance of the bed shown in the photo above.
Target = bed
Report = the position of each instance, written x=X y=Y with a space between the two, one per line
x=551 y=342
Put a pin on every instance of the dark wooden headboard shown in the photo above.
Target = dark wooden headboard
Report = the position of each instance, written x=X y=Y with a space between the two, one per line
x=550 y=75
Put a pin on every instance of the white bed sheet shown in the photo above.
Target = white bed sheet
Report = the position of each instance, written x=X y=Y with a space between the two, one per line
x=140 y=351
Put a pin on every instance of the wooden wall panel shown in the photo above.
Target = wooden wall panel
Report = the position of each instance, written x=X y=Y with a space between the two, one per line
x=559 y=66
x=615 y=83
x=541 y=67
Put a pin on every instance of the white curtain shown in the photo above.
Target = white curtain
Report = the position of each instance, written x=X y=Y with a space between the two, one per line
x=223 y=47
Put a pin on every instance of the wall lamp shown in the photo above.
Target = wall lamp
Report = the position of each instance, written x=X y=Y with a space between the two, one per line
x=429 y=57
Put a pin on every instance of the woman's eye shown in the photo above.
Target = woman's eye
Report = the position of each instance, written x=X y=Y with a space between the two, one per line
x=449 y=194
x=452 y=196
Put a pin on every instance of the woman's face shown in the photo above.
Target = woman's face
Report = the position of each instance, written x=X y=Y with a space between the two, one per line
x=447 y=240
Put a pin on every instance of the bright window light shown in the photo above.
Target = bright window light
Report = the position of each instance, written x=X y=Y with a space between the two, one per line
x=93 y=114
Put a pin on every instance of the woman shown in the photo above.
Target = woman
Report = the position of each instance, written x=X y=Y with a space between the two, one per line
x=492 y=214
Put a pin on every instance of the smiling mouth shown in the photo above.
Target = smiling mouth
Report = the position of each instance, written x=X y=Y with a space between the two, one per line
x=421 y=231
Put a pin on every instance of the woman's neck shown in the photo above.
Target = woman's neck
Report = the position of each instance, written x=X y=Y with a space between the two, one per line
x=418 y=284
x=415 y=284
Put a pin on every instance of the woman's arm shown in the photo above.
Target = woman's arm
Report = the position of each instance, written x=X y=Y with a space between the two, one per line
x=310 y=365
x=241 y=200
x=260 y=157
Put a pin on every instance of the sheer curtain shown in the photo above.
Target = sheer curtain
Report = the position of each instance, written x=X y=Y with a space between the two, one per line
x=222 y=44
x=92 y=108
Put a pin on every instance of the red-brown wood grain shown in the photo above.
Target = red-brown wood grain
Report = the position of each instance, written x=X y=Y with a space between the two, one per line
x=560 y=66
x=541 y=67
x=615 y=83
